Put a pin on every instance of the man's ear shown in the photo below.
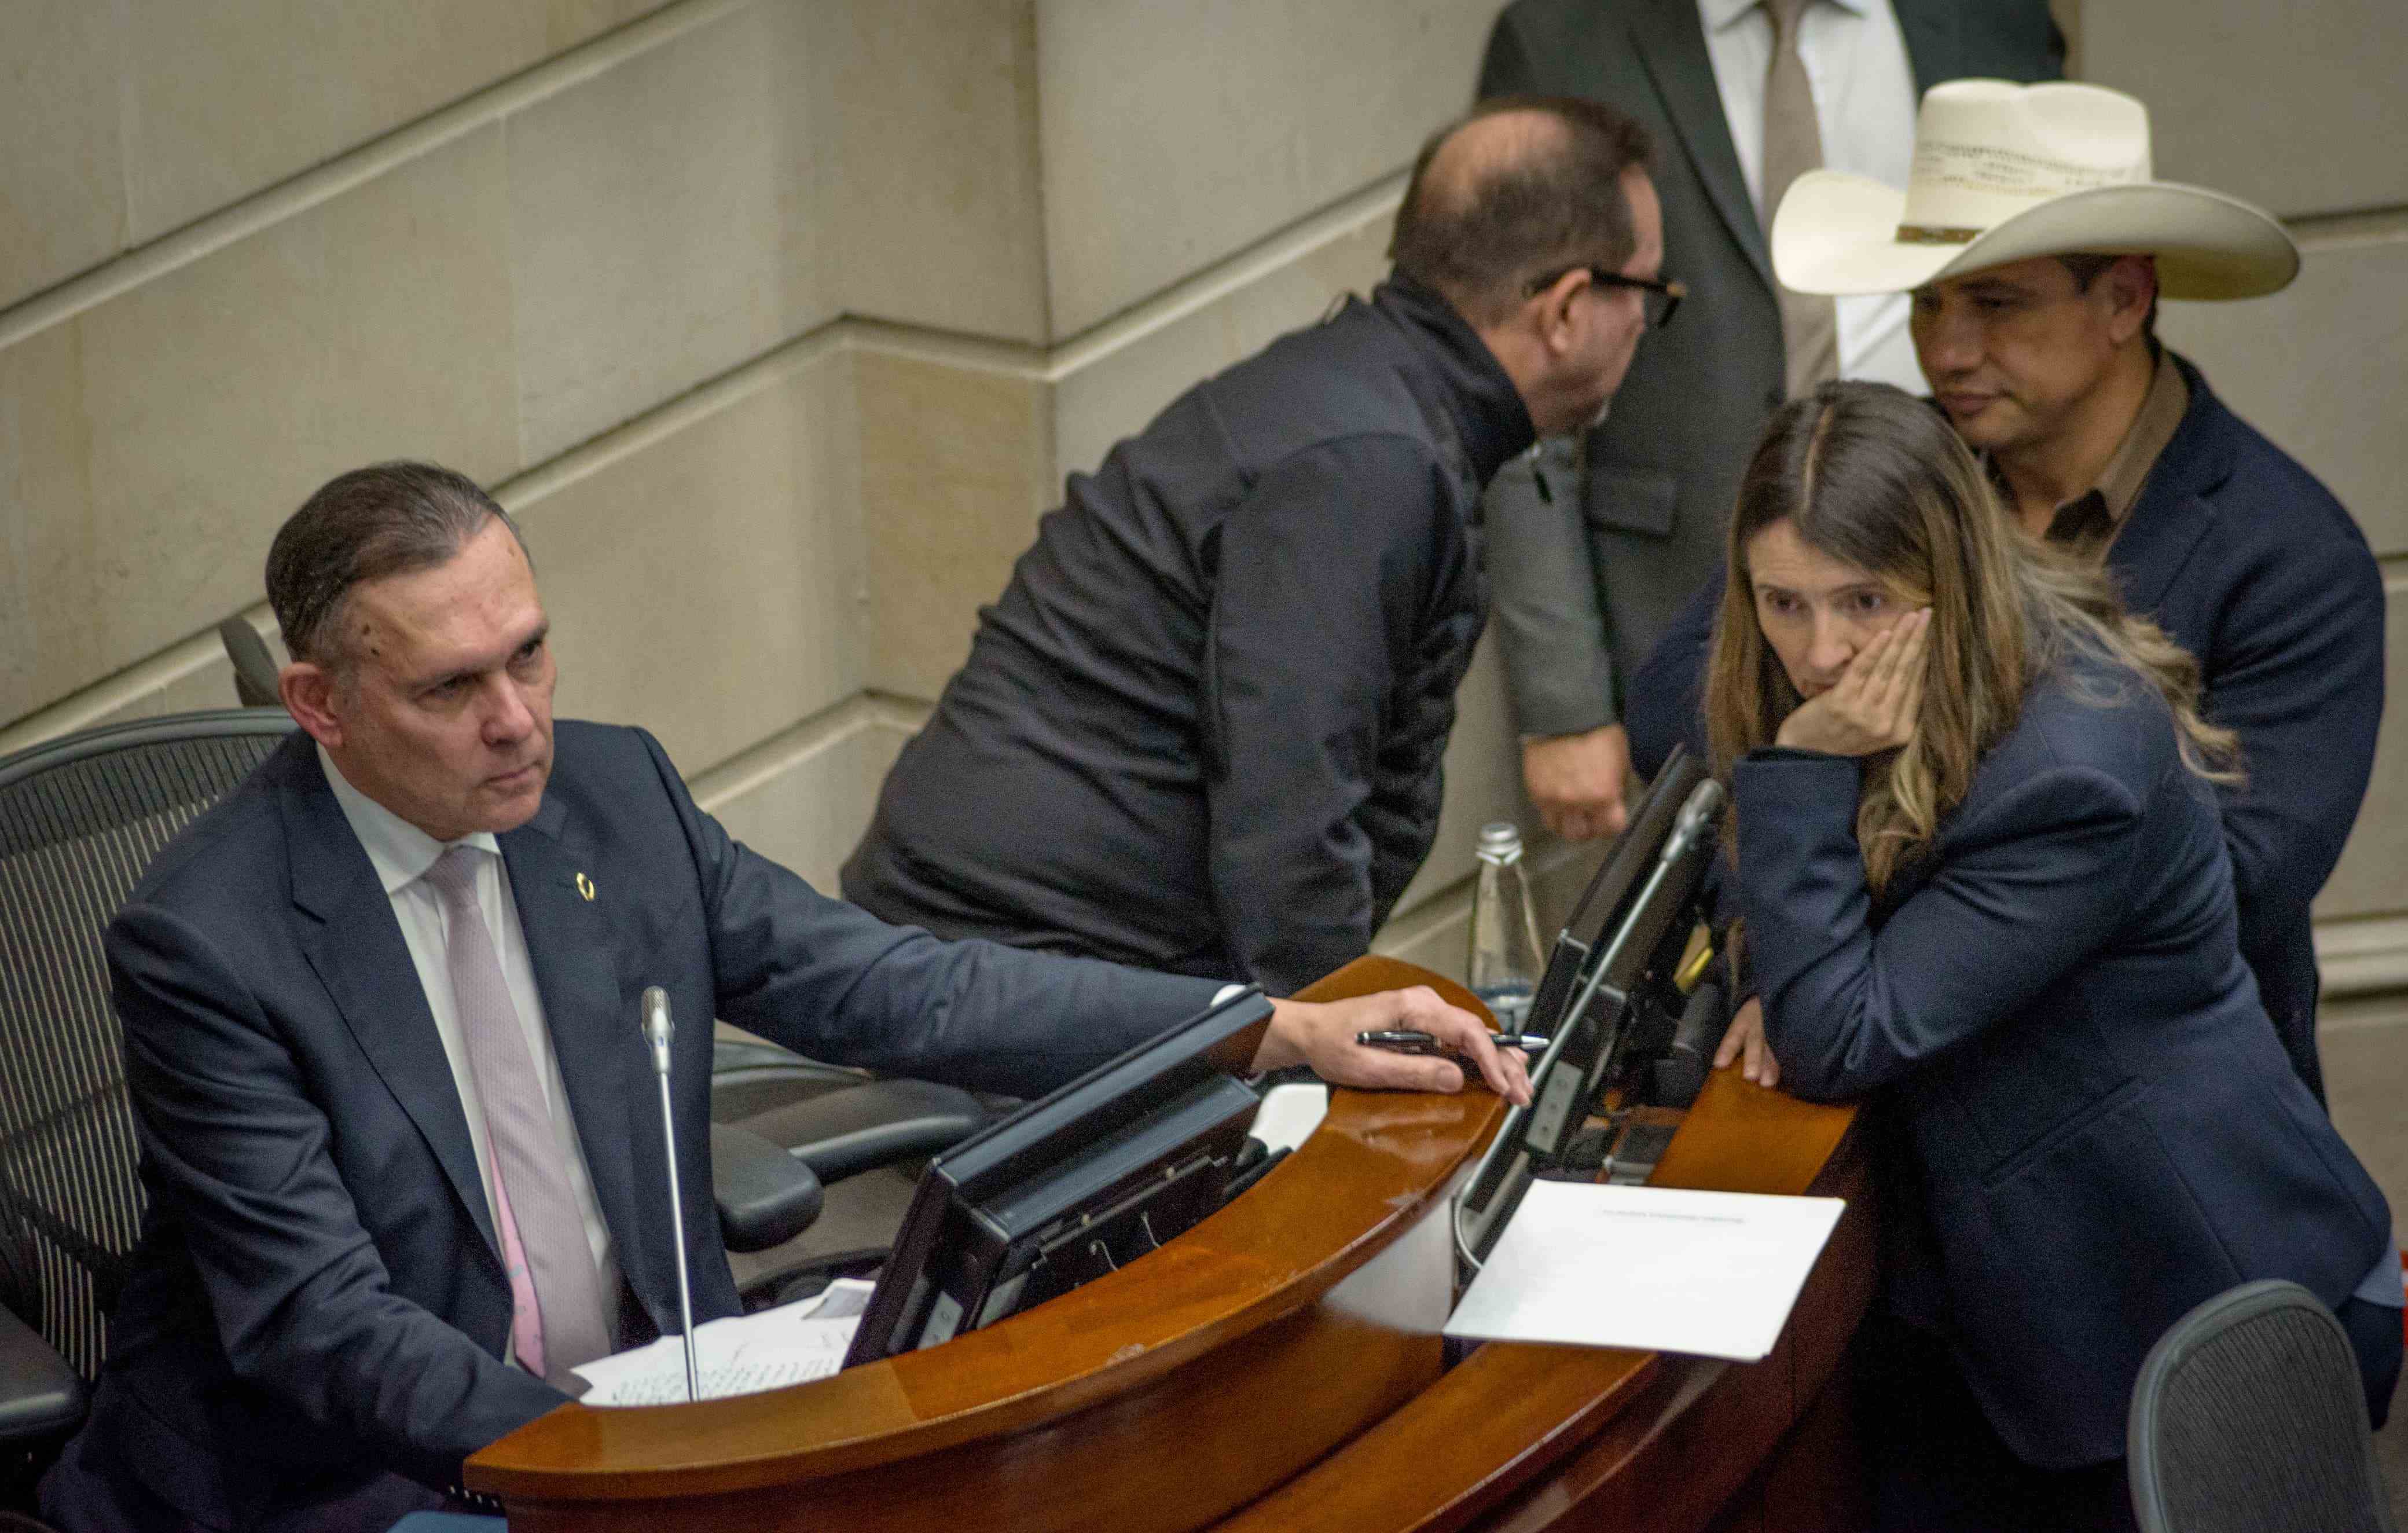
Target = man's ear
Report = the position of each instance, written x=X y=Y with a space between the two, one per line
x=2131 y=286
x=1552 y=310
x=308 y=690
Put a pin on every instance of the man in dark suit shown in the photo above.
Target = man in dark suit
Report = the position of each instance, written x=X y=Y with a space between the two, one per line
x=381 y=1038
x=2044 y=355
x=1595 y=545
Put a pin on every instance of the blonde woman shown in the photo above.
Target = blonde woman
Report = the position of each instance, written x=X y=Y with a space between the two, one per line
x=1985 y=887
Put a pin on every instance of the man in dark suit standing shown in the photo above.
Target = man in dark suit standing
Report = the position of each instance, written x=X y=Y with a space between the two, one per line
x=1595 y=542
x=2042 y=350
x=381 y=1038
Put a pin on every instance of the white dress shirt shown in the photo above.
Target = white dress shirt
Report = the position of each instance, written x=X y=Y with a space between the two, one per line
x=401 y=854
x=1863 y=85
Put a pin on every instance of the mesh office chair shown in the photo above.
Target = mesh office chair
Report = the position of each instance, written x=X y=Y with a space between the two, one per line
x=79 y=819
x=2248 y=1417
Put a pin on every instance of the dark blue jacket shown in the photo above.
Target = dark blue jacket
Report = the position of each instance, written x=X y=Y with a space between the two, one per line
x=2091 y=1126
x=2254 y=568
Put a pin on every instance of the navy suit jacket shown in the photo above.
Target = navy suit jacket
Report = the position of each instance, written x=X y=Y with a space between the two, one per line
x=2093 y=1127
x=317 y=1294
x=2251 y=565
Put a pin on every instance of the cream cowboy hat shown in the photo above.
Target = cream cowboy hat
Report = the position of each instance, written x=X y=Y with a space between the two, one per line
x=2006 y=172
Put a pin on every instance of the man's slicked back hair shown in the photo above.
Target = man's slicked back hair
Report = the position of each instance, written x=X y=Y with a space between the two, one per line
x=386 y=518
x=1535 y=214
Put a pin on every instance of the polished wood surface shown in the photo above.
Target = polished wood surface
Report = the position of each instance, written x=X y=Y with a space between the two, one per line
x=1260 y=1374
x=1530 y=1437
x=1158 y=1397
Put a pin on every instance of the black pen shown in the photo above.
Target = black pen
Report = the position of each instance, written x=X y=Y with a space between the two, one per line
x=1413 y=1042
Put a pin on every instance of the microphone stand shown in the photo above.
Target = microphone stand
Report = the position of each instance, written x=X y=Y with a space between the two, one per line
x=657 y=1031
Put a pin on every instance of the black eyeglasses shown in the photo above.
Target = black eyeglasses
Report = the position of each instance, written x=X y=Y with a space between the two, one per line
x=1659 y=299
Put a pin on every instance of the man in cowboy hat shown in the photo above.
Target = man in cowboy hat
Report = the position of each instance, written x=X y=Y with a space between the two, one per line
x=1598 y=536
x=2036 y=246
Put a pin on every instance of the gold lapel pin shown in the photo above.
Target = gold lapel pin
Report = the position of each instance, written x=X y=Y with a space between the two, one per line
x=585 y=886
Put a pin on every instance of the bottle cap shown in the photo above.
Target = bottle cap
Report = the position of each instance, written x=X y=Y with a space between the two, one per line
x=1501 y=841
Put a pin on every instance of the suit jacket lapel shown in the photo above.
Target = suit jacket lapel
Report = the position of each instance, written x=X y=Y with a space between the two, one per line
x=2173 y=512
x=1935 y=41
x=359 y=954
x=1671 y=41
x=594 y=1032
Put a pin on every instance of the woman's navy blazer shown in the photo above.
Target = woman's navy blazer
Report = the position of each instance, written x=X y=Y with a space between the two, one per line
x=2093 y=1117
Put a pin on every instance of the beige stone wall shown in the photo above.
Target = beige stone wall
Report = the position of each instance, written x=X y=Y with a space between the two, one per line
x=778 y=323
x=2294 y=108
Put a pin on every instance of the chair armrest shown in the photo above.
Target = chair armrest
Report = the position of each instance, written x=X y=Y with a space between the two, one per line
x=841 y=1133
x=40 y=1395
x=765 y=1196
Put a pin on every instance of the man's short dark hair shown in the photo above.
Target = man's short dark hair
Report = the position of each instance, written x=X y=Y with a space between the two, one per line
x=2087 y=267
x=1538 y=214
x=386 y=518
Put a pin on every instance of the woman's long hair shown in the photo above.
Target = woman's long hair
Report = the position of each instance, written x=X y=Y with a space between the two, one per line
x=1874 y=477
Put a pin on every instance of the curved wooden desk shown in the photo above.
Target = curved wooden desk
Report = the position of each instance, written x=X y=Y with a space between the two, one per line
x=1282 y=1354
x=1157 y=1399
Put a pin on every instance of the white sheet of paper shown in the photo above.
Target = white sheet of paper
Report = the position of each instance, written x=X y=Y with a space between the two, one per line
x=743 y=1355
x=1289 y=1115
x=1657 y=1268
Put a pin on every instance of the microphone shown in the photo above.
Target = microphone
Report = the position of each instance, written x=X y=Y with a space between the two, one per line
x=658 y=1030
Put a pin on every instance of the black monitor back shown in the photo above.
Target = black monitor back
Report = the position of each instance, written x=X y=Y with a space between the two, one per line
x=1072 y=1185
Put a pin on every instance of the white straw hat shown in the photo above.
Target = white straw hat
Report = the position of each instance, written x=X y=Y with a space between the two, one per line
x=2005 y=172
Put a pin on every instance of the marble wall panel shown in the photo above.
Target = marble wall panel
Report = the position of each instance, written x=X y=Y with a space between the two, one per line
x=1173 y=135
x=48 y=543
x=661 y=226
x=809 y=816
x=2278 y=103
x=929 y=179
x=179 y=423
x=2322 y=368
x=225 y=98
x=62 y=183
x=957 y=465
x=1119 y=393
x=2370 y=881
x=708 y=585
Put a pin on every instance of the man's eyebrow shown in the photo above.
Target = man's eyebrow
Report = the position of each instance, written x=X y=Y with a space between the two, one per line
x=542 y=631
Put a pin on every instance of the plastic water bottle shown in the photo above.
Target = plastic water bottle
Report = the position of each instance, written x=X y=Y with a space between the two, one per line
x=1504 y=969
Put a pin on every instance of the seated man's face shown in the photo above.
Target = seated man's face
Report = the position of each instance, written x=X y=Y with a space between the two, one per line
x=444 y=716
x=2014 y=352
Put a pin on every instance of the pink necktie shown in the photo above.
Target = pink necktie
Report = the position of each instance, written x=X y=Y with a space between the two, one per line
x=558 y=1316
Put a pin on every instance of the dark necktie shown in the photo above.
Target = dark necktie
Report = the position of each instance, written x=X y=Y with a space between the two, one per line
x=1793 y=145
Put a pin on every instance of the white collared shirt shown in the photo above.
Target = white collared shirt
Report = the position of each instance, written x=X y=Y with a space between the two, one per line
x=1864 y=105
x=401 y=854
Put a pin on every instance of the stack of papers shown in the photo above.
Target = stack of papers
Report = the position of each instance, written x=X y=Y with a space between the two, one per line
x=1654 y=1268
x=743 y=1355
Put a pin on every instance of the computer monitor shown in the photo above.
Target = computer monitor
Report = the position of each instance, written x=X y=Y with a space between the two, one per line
x=1609 y=976
x=1071 y=1186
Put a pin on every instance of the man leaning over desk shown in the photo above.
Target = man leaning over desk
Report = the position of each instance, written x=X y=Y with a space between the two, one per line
x=380 y=1012
x=1202 y=730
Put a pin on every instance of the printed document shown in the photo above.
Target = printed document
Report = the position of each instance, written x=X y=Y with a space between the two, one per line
x=743 y=1355
x=1656 y=1268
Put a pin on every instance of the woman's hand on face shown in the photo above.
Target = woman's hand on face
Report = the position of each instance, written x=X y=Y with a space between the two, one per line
x=1877 y=700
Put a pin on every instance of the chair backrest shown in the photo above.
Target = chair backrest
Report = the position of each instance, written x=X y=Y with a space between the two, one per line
x=2249 y=1416
x=80 y=818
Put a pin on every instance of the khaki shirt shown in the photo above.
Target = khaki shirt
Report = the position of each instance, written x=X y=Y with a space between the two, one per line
x=2086 y=524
